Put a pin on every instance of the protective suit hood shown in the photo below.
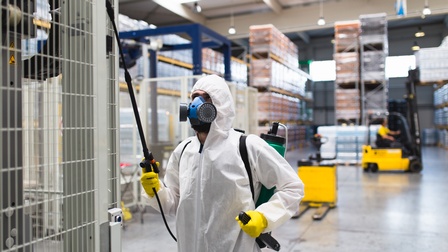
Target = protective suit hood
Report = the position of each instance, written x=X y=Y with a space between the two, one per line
x=221 y=97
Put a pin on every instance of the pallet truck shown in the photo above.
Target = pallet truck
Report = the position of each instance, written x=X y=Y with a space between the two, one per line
x=320 y=180
x=407 y=158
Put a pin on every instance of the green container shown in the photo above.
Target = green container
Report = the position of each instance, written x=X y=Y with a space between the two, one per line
x=278 y=143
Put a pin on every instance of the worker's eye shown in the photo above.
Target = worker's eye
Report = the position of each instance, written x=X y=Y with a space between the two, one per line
x=205 y=96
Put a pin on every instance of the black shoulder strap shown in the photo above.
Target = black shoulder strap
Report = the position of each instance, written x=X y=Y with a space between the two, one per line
x=243 y=152
x=185 y=146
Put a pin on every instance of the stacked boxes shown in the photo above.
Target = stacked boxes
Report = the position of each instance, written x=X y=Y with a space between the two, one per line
x=432 y=64
x=268 y=39
x=277 y=107
x=347 y=68
x=346 y=56
x=374 y=47
x=346 y=35
x=345 y=107
x=373 y=50
x=346 y=52
x=275 y=73
x=442 y=138
x=269 y=73
x=375 y=101
x=274 y=62
x=433 y=68
x=441 y=105
x=373 y=66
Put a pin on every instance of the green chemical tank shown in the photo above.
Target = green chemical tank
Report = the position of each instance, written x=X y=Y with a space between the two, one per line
x=279 y=144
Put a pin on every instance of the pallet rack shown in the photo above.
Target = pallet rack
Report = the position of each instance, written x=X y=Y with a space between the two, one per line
x=346 y=56
x=373 y=52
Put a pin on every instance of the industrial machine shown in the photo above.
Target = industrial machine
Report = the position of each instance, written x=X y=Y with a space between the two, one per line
x=408 y=157
x=320 y=179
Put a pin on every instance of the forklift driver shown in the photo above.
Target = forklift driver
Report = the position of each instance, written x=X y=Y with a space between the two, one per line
x=385 y=136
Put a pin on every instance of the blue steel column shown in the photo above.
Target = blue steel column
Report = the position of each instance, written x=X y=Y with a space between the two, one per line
x=153 y=97
x=196 y=41
x=227 y=52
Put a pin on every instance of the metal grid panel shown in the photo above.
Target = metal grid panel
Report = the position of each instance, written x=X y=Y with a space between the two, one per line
x=55 y=113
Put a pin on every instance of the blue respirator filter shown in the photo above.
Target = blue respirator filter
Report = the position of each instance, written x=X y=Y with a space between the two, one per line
x=198 y=111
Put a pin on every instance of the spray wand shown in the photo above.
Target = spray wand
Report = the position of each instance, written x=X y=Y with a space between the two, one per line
x=149 y=163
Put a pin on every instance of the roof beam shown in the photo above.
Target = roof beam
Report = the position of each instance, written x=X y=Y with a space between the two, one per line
x=305 y=37
x=181 y=10
x=274 y=5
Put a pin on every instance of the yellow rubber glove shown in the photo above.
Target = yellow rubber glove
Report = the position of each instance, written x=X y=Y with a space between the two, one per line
x=150 y=180
x=256 y=224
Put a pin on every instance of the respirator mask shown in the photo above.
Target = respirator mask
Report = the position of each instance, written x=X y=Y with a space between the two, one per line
x=199 y=112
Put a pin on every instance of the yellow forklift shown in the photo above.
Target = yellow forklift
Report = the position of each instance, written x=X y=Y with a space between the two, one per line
x=406 y=158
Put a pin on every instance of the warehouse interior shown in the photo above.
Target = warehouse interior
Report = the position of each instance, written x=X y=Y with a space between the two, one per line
x=324 y=71
x=372 y=208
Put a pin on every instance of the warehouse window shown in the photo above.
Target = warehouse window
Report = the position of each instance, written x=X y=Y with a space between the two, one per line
x=323 y=70
x=396 y=66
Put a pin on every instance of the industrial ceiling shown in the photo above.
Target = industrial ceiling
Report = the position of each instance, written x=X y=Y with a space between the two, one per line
x=295 y=18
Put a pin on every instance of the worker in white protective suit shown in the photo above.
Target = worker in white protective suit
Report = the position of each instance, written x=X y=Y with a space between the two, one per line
x=206 y=184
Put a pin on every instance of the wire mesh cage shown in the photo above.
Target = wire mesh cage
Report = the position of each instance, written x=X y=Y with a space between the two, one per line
x=59 y=103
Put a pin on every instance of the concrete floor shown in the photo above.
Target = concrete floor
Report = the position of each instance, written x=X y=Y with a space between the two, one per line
x=375 y=212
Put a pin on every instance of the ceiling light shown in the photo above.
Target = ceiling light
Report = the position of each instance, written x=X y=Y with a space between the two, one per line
x=415 y=47
x=232 y=29
x=185 y=1
x=426 y=11
x=197 y=7
x=321 y=20
x=419 y=33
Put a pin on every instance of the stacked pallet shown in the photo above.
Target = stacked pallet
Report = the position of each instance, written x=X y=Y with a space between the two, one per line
x=432 y=64
x=347 y=68
x=265 y=39
x=274 y=71
x=360 y=54
x=374 y=47
x=441 y=105
x=345 y=107
x=278 y=107
x=374 y=50
x=346 y=56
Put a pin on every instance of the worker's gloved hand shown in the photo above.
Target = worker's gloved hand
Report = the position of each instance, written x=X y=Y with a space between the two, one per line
x=256 y=224
x=150 y=180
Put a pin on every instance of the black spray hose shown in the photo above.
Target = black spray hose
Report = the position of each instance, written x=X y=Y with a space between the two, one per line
x=149 y=162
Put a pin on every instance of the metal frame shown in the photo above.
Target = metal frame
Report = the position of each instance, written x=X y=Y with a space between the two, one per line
x=368 y=43
x=201 y=37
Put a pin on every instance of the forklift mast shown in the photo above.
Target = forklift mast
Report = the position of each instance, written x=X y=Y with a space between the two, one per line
x=413 y=119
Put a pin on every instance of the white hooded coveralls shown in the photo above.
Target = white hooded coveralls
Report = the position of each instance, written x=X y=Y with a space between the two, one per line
x=207 y=190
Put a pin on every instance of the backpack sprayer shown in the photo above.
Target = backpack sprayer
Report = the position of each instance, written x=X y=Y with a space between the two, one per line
x=279 y=144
